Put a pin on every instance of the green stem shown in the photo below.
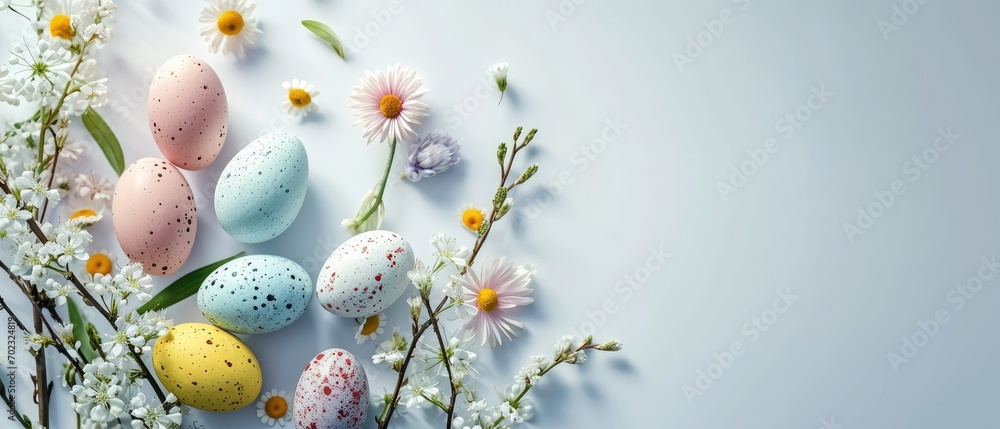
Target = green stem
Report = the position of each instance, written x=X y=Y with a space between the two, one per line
x=381 y=187
x=19 y=13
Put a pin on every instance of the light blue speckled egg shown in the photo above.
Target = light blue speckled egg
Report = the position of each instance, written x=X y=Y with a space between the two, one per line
x=255 y=294
x=261 y=190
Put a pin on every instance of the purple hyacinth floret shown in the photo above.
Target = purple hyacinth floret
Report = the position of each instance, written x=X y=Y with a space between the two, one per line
x=432 y=154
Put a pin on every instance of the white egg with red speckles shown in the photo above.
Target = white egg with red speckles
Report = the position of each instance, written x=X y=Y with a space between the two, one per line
x=365 y=274
x=332 y=392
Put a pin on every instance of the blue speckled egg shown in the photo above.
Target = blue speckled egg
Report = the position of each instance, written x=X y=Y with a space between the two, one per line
x=255 y=294
x=261 y=190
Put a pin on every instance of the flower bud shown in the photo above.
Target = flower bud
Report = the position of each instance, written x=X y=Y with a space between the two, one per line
x=532 y=169
x=502 y=153
x=500 y=197
x=531 y=135
x=517 y=134
x=505 y=207
x=610 y=346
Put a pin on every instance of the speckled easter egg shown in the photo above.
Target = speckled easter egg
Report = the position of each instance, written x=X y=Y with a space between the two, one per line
x=207 y=368
x=365 y=274
x=262 y=189
x=332 y=392
x=255 y=294
x=154 y=215
x=188 y=112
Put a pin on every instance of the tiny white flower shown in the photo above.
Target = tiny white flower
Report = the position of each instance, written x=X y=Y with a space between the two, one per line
x=499 y=73
x=447 y=248
x=93 y=186
x=422 y=277
x=418 y=390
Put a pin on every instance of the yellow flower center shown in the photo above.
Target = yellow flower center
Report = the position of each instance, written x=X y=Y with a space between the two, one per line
x=59 y=27
x=299 y=97
x=391 y=106
x=473 y=219
x=487 y=300
x=371 y=324
x=276 y=407
x=83 y=213
x=230 y=22
x=99 y=263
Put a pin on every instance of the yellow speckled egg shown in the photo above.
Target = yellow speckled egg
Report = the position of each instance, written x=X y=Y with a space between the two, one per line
x=207 y=368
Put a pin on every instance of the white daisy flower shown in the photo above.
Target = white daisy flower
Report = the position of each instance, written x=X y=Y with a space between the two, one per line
x=274 y=408
x=388 y=104
x=369 y=328
x=300 y=98
x=229 y=26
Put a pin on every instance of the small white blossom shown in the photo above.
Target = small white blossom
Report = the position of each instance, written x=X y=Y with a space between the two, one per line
x=35 y=191
x=447 y=248
x=93 y=186
x=97 y=397
x=155 y=417
x=531 y=372
x=418 y=390
x=422 y=277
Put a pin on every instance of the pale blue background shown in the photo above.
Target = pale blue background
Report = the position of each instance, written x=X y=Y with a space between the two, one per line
x=823 y=361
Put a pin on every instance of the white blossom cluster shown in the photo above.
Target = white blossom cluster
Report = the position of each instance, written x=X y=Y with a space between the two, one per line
x=55 y=74
x=430 y=381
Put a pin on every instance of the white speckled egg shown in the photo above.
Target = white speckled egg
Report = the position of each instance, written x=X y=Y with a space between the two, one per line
x=188 y=112
x=263 y=187
x=332 y=392
x=154 y=215
x=255 y=294
x=365 y=274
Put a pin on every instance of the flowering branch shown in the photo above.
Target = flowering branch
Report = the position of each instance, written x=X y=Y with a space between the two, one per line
x=501 y=205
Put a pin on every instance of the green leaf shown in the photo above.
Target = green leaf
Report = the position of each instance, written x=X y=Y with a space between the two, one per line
x=326 y=33
x=183 y=287
x=80 y=330
x=105 y=139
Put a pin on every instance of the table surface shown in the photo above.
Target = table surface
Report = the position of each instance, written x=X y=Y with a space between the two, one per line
x=754 y=197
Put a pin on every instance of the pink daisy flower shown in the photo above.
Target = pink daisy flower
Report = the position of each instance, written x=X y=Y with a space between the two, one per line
x=491 y=297
x=388 y=104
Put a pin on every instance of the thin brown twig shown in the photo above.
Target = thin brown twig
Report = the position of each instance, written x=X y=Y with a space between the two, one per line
x=41 y=375
x=432 y=317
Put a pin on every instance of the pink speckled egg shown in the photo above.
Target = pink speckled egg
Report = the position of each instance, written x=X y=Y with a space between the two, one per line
x=365 y=274
x=332 y=392
x=154 y=215
x=188 y=112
